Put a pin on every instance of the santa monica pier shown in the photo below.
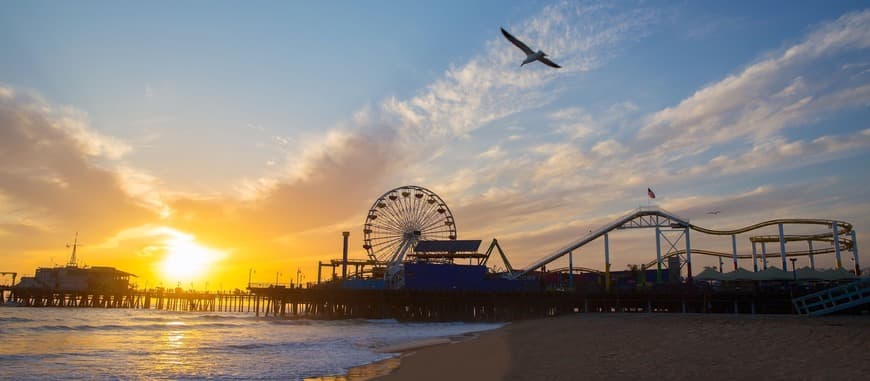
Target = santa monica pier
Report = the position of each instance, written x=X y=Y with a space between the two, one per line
x=417 y=268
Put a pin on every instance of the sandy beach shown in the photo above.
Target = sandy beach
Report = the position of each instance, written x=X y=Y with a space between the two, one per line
x=657 y=346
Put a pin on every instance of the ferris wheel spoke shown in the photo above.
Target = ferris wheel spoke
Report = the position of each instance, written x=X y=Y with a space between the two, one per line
x=386 y=245
x=387 y=252
x=389 y=225
x=392 y=220
x=386 y=237
x=438 y=230
x=435 y=224
x=422 y=203
x=420 y=211
x=396 y=213
x=406 y=211
x=389 y=216
x=382 y=245
x=432 y=216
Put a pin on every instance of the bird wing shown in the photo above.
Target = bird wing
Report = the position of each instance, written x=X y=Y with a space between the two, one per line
x=516 y=42
x=547 y=62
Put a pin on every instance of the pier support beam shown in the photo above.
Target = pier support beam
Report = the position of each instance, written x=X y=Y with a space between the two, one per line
x=855 y=253
x=754 y=259
x=837 y=245
x=782 y=248
x=319 y=266
x=344 y=255
x=688 y=256
x=571 y=270
x=812 y=258
x=734 y=249
x=606 y=262
x=658 y=255
x=764 y=254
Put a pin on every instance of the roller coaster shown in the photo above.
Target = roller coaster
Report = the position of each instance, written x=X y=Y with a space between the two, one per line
x=838 y=236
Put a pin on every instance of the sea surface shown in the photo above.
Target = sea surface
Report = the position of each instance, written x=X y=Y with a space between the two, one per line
x=88 y=343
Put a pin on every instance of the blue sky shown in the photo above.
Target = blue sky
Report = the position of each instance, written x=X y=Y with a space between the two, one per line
x=252 y=106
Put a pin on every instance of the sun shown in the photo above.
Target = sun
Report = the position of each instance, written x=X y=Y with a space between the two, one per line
x=187 y=261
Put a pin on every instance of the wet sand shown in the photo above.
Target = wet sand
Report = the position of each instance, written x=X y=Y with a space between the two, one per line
x=657 y=346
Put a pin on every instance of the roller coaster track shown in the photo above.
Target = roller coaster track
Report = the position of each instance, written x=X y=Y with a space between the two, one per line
x=657 y=217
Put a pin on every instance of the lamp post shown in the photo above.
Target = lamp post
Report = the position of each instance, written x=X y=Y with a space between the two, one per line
x=250 y=273
x=277 y=274
x=793 y=271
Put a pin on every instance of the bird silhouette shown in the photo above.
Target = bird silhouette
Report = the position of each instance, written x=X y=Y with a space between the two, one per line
x=714 y=211
x=531 y=55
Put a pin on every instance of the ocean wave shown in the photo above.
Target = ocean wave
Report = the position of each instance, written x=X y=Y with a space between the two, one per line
x=131 y=327
x=223 y=317
x=291 y=322
x=192 y=318
x=13 y=319
x=280 y=346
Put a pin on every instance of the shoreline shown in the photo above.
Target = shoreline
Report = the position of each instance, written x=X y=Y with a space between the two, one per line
x=674 y=346
x=386 y=366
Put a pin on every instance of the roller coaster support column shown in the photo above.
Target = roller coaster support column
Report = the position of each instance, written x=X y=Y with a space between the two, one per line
x=837 y=245
x=571 y=269
x=782 y=248
x=688 y=257
x=606 y=262
x=764 y=255
x=734 y=249
x=854 y=252
x=754 y=260
x=812 y=258
x=658 y=255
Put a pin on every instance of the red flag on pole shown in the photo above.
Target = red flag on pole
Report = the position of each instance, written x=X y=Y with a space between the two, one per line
x=650 y=193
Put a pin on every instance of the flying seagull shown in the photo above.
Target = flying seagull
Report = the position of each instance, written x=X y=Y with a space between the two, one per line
x=531 y=56
x=717 y=211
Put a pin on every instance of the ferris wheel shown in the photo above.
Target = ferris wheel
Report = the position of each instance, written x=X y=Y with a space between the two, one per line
x=400 y=218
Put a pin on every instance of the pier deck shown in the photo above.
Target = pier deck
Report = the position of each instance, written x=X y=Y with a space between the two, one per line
x=337 y=303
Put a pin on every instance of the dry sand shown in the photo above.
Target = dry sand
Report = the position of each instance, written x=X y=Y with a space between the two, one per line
x=651 y=346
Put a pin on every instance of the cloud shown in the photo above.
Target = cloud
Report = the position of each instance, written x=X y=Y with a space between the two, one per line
x=608 y=147
x=783 y=154
x=490 y=86
x=770 y=95
x=720 y=134
x=493 y=152
x=48 y=177
x=568 y=170
x=398 y=140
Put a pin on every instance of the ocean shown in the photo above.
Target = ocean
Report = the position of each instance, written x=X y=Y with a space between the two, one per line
x=89 y=343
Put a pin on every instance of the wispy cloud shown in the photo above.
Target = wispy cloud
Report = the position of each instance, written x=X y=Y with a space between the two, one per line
x=770 y=95
x=48 y=171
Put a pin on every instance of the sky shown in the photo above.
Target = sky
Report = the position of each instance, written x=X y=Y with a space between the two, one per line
x=202 y=142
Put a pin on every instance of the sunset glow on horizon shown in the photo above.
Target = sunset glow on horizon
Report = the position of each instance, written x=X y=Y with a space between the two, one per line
x=206 y=143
